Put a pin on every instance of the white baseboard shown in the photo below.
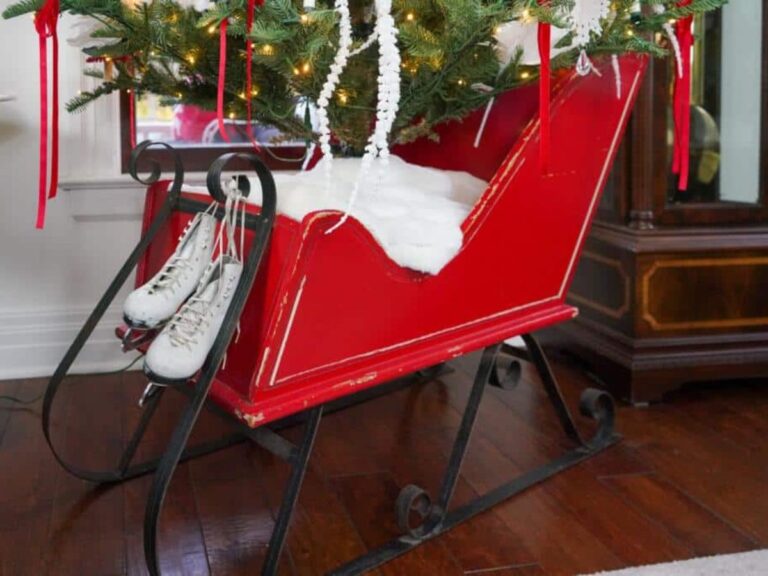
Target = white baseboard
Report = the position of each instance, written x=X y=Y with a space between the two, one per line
x=33 y=342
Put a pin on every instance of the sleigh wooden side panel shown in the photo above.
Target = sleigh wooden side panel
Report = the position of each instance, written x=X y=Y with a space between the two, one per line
x=344 y=317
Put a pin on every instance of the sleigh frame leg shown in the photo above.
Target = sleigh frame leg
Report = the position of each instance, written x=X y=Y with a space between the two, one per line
x=435 y=517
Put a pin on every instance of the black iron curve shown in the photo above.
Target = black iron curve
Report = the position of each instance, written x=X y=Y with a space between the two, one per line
x=178 y=441
x=435 y=517
x=122 y=275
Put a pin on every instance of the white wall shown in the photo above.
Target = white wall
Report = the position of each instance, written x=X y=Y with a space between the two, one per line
x=51 y=279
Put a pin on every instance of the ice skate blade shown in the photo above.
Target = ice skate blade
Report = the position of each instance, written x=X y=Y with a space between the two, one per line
x=158 y=380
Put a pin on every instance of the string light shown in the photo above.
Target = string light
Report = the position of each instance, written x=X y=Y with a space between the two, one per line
x=630 y=32
x=211 y=29
x=241 y=95
x=267 y=50
x=342 y=97
x=231 y=115
x=410 y=16
x=461 y=82
x=304 y=18
x=190 y=58
x=525 y=75
x=526 y=15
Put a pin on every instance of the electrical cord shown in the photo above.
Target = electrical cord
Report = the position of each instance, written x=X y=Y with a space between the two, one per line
x=30 y=401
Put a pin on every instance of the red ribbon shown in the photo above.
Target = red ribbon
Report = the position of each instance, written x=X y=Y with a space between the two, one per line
x=681 y=104
x=222 y=79
x=544 y=37
x=248 y=65
x=45 y=23
x=132 y=117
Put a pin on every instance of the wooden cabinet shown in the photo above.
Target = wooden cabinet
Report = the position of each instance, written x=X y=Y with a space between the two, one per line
x=672 y=285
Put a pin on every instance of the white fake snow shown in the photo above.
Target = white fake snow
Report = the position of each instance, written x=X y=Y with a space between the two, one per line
x=414 y=213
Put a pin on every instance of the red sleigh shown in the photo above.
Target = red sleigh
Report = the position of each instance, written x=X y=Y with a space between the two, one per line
x=325 y=317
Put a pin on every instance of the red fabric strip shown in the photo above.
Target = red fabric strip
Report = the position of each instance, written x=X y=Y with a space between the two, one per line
x=544 y=37
x=681 y=103
x=54 y=184
x=222 y=79
x=251 y=8
x=132 y=117
x=43 y=166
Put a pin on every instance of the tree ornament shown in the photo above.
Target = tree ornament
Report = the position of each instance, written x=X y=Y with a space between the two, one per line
x=585 y=19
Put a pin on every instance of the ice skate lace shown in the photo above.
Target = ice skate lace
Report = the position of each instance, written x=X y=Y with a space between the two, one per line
x=187 y=324
x=196 y=315
x=170 y=278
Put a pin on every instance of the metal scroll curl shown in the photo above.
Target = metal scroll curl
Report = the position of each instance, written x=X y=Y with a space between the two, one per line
x=268 y=191
x=155 y=168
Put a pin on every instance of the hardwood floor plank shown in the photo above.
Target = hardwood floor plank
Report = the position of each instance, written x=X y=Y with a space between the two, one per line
x=322 y=535
x=180 y=540
x=369 y=501
x=86 y=532
x=685 y=519
x=704 y=465
x=555 y=536
x=687 y=480
x=27 y=473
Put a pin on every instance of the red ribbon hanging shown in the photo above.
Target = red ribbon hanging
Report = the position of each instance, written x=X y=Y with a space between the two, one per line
x=681 y=104
x=251 y=8
x=45 y=24
x=222 y=79
x=544 y=37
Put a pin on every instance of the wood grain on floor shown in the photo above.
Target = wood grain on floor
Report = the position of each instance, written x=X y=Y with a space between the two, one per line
x=689 y=479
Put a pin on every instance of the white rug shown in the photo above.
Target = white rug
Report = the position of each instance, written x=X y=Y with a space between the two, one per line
x=745 y=564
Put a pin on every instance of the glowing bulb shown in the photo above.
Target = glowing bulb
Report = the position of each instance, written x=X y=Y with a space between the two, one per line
x=526 y=15
x=241 y=95
x=231 y=115
x=630 y=33
x=268 y=50
x=211 y=29
x=306 y=68
x=496 y=30
x=254 y=92
x=525 y=75
x=304 y=18
x=153 y=53
x=191 y=58
x=343 y=98
x=178 y=94
x=461 y=82
x=296 y=72
x=410 y=17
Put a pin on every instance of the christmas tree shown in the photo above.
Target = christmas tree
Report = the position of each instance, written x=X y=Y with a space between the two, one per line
x=450 y=54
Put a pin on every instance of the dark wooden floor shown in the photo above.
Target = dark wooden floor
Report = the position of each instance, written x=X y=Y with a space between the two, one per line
x=689 y=479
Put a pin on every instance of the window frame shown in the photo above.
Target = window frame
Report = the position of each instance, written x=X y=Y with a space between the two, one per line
x=199 y=158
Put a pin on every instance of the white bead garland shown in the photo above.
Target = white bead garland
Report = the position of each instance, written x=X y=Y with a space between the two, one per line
x=331 y=81
x=388 y=99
